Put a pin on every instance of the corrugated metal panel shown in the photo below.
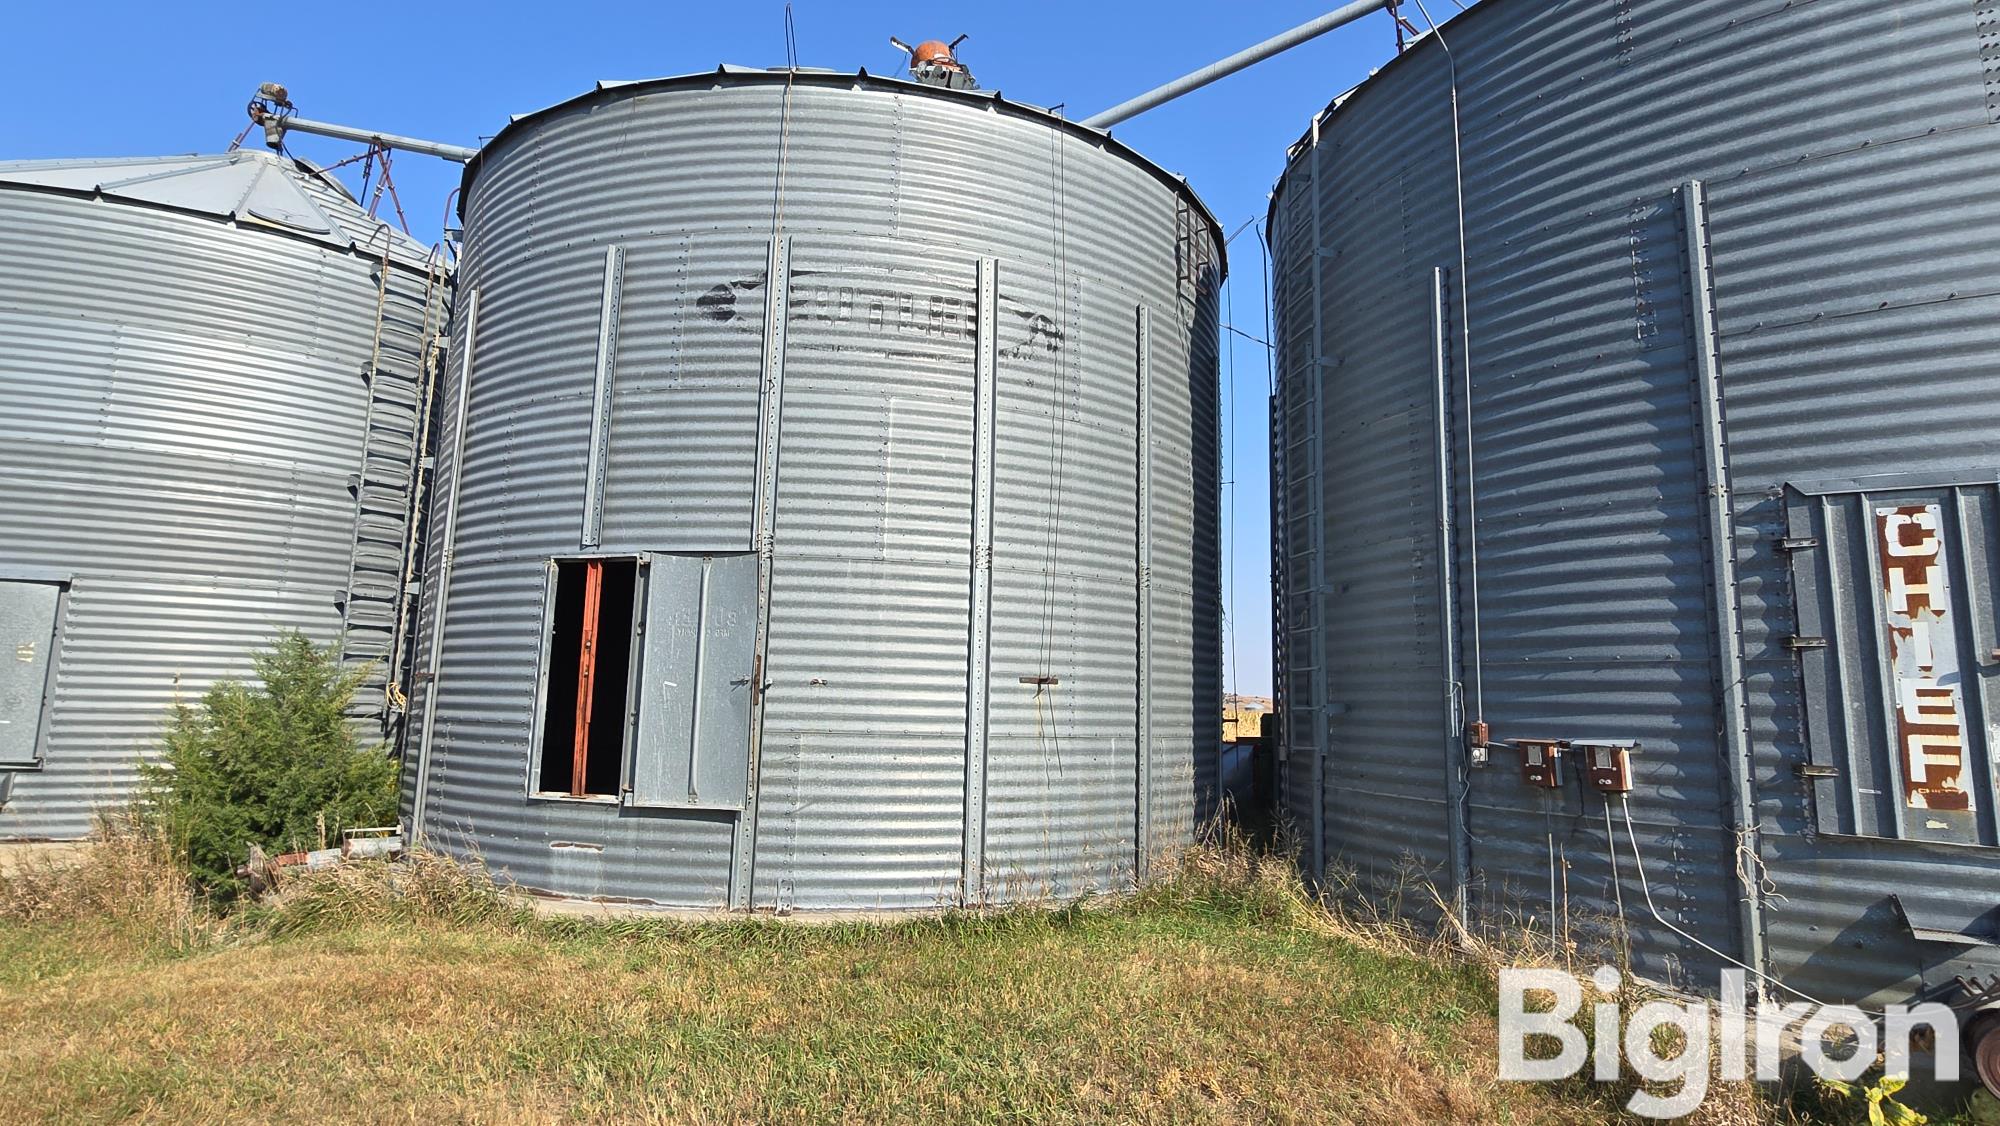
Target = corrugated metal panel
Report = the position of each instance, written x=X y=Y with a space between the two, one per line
x=874 y=522
x=1187 y=649
x=684 y=407
x=860 y=797
x=182 y=426
x=1173 y=774
x=1849 y=217
x=1063 y=763
x=1378 y=514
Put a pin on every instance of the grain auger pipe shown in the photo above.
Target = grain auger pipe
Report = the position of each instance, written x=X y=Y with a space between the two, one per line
x=272 y=108
x=1195 y=80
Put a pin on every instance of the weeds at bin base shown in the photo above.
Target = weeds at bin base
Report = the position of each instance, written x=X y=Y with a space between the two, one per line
x=1225 y=991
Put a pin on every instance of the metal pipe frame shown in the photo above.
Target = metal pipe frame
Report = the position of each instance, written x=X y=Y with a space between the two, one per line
x=1195 y=80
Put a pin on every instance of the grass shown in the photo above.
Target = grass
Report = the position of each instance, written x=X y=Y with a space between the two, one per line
x=419 y=992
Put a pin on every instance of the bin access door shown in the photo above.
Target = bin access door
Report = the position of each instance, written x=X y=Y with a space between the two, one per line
x=699 y=652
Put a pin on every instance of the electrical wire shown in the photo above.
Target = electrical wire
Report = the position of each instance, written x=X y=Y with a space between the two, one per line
x=784 y=154
x=1617 y=887
x=1549 y=826
x=1048 y=735
x=1245 y=335
x=368 y=179
x=1273 y=574
x=1229 y=496
x=1271 y=356
x=1562 y=865
x=1645 y=888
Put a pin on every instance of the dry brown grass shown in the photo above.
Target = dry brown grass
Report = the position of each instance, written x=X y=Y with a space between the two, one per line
x=422 y=887
x=377 y=993
x=124 y=887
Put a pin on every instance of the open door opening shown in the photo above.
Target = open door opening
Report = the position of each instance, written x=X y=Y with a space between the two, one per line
x=589 y=663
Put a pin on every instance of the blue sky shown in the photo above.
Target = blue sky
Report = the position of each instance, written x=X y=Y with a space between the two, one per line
x=140 y=79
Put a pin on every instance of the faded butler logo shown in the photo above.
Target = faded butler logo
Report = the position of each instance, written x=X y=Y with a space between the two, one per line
x=1689 y=1043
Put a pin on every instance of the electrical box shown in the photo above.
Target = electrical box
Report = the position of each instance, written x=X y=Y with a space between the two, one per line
x=1478 y=740
x=1607 y=763
x=1541 y=762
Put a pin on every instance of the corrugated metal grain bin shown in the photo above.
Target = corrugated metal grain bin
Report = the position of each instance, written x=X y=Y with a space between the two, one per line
x=209 y=396
x=1709 y=407
x=829 y=501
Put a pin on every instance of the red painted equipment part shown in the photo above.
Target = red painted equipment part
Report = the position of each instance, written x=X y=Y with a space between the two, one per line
x=1983 y=1044
x=932 y=51
x=586 y=675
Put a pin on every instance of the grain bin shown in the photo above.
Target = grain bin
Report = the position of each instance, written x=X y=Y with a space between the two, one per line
x=828 y=501
x=208 y=421
x=1701 y=410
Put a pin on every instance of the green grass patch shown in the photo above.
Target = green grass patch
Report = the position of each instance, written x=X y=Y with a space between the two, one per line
x=417 y=991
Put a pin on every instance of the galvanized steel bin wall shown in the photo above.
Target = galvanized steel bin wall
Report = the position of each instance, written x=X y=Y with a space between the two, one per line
x=967 y=442
x=1733 y=280
x=209 y=397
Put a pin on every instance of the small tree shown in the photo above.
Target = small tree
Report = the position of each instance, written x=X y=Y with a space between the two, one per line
x=276 y=765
